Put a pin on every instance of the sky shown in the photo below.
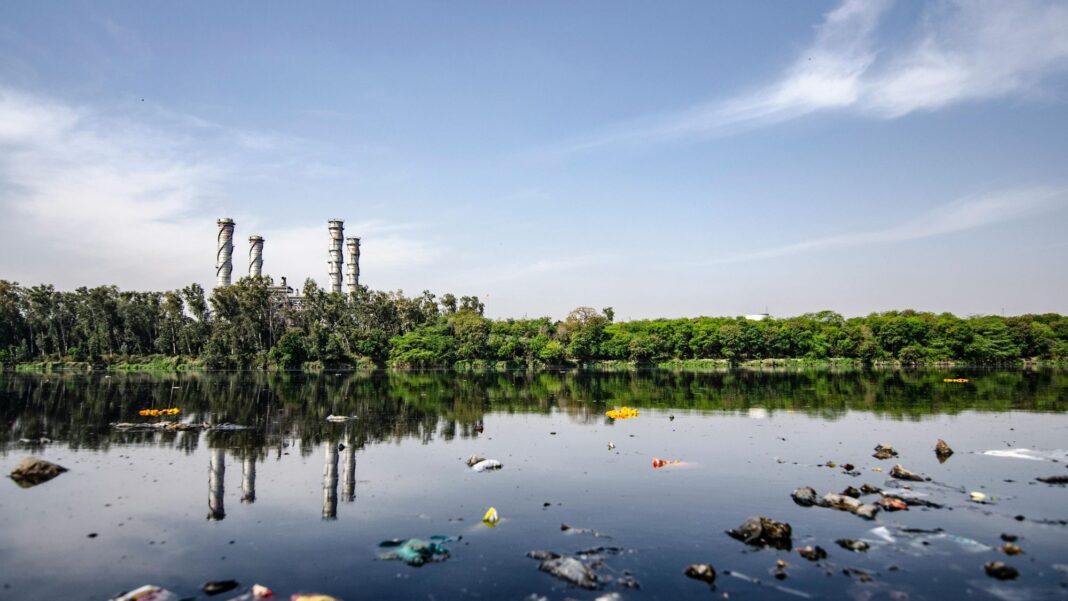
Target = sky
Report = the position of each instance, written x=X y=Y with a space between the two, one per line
x=665 y=159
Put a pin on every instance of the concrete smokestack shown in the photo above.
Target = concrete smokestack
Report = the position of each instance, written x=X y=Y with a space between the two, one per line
x=255 y=256
x=337 y=236
x=224 y=256
x=352 y=270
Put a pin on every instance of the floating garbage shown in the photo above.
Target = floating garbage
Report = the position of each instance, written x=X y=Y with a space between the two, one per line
x=595 y=552
x=850 y=504
x=899 y=472
x=217 y=587
x=955 y=380
x=1010 y=549
x=225 y=427
x=486 y=464
x=1000 y=570
x=862 y=575
x=812 y=553
x=978 y=497
x=474 y=459
x=658 y=463
x=942 y=451
x=1061 y=480
x=884 y=451
x=176 y=426
x=611 y=445
x=32 y=471
x=416 y=552
x=491 y=518
x=701 y=571
x=574 y=530
x=912 y=499
x=889 y=503
x=313 y=597
x=148 y=592
x=883 y=534
x=622 y=413
x=760 y=531
x=1030 y=454
x=258 y=591
x=779 y=571
x=925 y=542
x=805 y=496
x=571 y=570
x=159 y=412
x=857 y=546
x=339 y=418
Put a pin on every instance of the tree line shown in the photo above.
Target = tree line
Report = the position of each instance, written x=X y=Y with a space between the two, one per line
x=246 y=325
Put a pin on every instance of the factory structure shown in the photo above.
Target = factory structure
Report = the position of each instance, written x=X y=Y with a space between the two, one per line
x=338 y=246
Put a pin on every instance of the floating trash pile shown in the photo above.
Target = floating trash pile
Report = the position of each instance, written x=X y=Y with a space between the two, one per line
x=622 y=413
x=159 y=412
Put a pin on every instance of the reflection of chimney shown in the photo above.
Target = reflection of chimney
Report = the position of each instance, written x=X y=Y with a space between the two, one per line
x=330 y=482
x=352 y=270
x=248 y=480
x=255 y=256
x=216 y=472
x=337 y=235
x=348 y=474
x=224 y=253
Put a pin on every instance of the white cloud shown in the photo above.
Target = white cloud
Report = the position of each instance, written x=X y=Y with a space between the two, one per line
x=90 y=199
x=956 y=52
x=958 y=216
x=301 y=252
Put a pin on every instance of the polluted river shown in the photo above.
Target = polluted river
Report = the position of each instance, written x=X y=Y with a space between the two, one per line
x=738 y=484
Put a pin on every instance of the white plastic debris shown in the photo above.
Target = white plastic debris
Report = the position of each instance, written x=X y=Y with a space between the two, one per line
x=148 y=592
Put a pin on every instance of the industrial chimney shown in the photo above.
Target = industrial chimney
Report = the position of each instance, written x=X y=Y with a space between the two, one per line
x=352 y=270
x=224 y=264
x=337 y=235
x=255 y=256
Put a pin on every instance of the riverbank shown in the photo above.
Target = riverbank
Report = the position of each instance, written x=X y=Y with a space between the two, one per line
x=161 y=363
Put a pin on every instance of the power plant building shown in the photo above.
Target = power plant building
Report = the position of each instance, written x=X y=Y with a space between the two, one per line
x=337 y=247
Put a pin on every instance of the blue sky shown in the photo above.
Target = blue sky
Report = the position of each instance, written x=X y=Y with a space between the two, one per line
x=667 y=159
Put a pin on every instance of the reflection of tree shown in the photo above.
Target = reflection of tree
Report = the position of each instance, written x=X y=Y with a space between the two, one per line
x=77 y=409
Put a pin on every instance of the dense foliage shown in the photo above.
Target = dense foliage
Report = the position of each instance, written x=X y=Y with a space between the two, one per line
x=244 y=325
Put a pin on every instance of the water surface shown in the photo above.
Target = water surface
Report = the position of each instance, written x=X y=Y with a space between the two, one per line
x=300 y=504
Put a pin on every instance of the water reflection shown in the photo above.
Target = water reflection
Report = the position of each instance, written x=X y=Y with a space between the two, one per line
x=348 y=481
x=746 y=457
x=330 y=482
x=216 y=485
x=280 y=409
x=248 y=480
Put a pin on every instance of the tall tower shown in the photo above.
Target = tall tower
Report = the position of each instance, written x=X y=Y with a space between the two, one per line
x=224 y=255
x=255 y=256
x=337 y=235
x=352 y=270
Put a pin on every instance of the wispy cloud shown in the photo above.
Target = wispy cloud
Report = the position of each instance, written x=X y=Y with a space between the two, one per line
x=958 y=216
x=89 y=198
x=955 y=52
